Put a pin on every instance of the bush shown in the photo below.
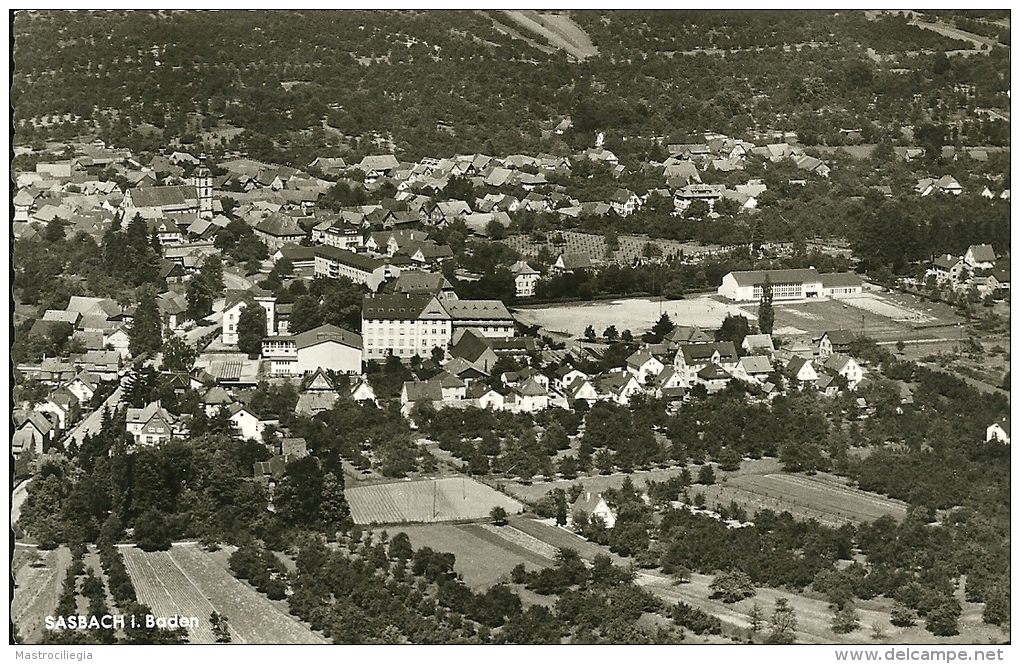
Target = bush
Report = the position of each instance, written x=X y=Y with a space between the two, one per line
x=731 y=586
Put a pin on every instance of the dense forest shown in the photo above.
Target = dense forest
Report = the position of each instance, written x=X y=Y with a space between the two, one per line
x=393 y=75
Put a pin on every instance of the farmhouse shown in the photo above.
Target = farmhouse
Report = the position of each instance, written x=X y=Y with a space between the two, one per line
x=325 y=347
x=836 y=341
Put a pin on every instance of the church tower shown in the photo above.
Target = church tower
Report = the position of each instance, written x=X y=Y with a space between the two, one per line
x=203 y=184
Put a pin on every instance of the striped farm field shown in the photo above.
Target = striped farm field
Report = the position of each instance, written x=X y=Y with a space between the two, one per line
x=822 y=497
x=186 y=581
x=483 y=558
x=426 y=501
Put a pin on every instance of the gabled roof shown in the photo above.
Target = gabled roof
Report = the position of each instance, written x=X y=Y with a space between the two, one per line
x=713 y=372
x=754 y=341
x=841 y=280
x=638 y=358
x=839 y=337
x=467 y=310
x=405 y=306
x=470 y=347
x=422 y=391
x=688 y=334
x=947 y=262
x=522 y=268
x=382 y=162
x=837 y=362
x=349 y=258
x=793 y=276
x=574 y=261
x=756 y=364
x=532 y=388
x=414 y=281
x=447 y=380
x=698 y=353
x=327 y=333
x=795 y=364
x=982 y=253
x=158 y=197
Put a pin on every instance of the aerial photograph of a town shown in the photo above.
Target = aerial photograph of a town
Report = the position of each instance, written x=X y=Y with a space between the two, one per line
x=683 y=327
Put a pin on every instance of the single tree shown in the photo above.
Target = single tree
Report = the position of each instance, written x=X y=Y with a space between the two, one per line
x=766 y=314
x=783 y=623
x=498 y=516
x=251 y=329
x=200 y=298
x=146 y=335
x=177 y=354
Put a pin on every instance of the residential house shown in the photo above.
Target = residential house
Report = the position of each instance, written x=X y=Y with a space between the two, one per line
x=62 y=405
x=531 y=396
x=525 y=278
x=152 y=425
x=484 y=397
x=591 y=506
x=236 y=301
x=277 y=230
x=836 y=341
x=998 y=431
x=416 y=392
x=568 y=262
x=432 y=283
x=692 y=358
x=980 y=257
x=32 y=430
x=215 y=400
x=451 y=387
x=947 y=268
x=246 y=423
x=474 y=349
x=758 y=344
x=644 y=365
x=83 y=386
x=713 y=377
x=754 y=369
x=845 y=366
x=565 y=375
x=800 y=372
x=618 y=386
x=625 y=202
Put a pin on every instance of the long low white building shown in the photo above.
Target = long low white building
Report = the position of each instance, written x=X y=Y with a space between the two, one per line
x=796 y=284
x=361 y=269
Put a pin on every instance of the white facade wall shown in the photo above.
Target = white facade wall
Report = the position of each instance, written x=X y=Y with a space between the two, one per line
x=406 y=338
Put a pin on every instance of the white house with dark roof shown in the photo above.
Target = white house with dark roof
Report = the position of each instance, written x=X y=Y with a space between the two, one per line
x=835 y=341
x=998 y=431
x=235 y=303
x=525 y=278
x=151 y=425
x=359 y=268
x=980 y=257
x=593 y=506
x=845 y=366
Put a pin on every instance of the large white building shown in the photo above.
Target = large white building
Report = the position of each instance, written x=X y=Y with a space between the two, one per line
x=361 y=269
x=789 y=285
x=325 y=347
x=404 y=325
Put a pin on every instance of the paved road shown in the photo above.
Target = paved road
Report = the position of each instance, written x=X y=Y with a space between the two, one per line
x=17 y=499
x=93 y=424
x=235 y=281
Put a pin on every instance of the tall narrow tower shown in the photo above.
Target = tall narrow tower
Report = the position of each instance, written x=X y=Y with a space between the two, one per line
x=203 y=184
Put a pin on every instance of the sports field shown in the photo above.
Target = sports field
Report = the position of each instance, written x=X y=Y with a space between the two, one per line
x=637 y=315
x=426 y=501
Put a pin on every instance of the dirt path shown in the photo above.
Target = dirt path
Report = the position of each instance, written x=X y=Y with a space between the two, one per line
x=558 y=30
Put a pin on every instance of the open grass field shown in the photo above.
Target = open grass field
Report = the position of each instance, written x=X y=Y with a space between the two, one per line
x=483 y=557
x=822 y=497
x=185 y=581
x=38 y=581
x=636 y=314
x=426 y=501
x=558 y=30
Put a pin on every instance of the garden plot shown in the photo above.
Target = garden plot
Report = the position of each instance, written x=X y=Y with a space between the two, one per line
x=162 y=586
x=426 y=501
